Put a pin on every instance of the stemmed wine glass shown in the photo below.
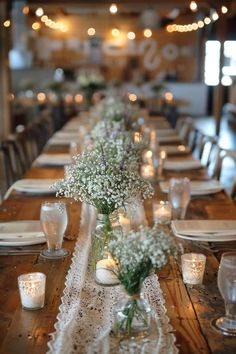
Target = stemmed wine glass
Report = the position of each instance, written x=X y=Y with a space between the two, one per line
x=227 y=285
x=53 y=217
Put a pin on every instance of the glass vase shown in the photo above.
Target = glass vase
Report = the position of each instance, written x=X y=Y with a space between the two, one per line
x=132 y=318
x=103 y=265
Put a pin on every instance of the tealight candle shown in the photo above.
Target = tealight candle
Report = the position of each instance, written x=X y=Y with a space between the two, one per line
x=147 y=171
x=162 y=212
x=32 y=290
x=193 y=267
x=105 y=272
x=124 y=222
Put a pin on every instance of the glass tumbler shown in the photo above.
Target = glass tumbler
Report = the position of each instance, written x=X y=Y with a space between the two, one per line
x=227 y=285
x=53 y=217
x=179 y=196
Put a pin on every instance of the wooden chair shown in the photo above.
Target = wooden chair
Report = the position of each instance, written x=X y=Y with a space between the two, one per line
x=6 y=171
x=226 y=171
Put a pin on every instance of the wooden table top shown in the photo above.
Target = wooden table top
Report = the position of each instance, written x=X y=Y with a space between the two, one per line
x=190 y=309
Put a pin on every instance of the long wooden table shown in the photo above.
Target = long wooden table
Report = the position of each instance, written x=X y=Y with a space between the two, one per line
x=190 y=309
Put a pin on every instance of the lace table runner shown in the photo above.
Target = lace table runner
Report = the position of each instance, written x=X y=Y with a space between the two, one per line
x=86 y=311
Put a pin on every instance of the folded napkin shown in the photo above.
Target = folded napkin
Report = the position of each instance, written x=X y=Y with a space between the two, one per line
x=176 y=149
x=53 y=159
x=205 y=230
x=21 y=233
x=197 y=187
x=182 y=164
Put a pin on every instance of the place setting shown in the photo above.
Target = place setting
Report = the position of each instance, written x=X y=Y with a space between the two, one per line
x=35 y=186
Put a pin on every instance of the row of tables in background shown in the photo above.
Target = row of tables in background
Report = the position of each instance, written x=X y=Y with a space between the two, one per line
x=189 y=308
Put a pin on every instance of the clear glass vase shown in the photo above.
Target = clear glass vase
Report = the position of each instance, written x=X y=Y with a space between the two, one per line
x=133 y=318
x=103 y=265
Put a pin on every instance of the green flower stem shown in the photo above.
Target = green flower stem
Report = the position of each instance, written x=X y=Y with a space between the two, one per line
x=130 y=312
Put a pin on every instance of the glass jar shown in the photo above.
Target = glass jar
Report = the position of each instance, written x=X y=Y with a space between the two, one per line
x=103 y=264
x=132 y=317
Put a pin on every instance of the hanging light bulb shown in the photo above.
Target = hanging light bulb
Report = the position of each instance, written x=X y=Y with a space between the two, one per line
x=39 y=12
x=224 y=9
x=113 y=9
x=193 y=6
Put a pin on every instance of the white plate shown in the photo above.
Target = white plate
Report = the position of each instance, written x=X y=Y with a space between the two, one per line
x=205 y=230
x=169 y=139
x=207 y=238
x=197 y=187
x=21 y=233
x=181 y=165
x=35 y=186
x=175 y=149
x=53 y=159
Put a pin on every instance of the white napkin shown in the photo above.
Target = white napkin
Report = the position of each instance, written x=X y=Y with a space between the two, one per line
x=205 y=230
x=21 y=233
x=197 y=187
x=53 y=159
x=182 y=164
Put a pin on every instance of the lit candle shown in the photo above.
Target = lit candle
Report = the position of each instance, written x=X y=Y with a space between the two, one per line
x=105 y=272
x=32 y=290
x=161 y=158
x=193 y=267
x=153 y=140
x=147 y=156
x=147 y=171
x=137 y=137
x=125 y=223
x=162 y=212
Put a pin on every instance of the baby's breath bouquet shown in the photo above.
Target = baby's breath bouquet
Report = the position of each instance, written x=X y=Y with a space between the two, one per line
x=137 y=254
x=104 y=176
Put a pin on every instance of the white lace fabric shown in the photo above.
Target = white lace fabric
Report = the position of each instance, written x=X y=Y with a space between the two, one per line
x=86 y=310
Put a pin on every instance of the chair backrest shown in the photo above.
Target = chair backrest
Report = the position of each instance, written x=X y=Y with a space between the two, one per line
x=6 y=171
x=227 y=170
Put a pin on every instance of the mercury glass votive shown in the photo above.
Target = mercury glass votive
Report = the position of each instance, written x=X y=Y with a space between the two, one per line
x=162 y=212
x=193 y=267
x=32 y=290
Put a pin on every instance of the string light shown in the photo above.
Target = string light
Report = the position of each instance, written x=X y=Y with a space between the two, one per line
x=215 y=16
x=131 y=35
x=25 y=10
x=7 y=23
x=224 y=9
x=39 y=12
x=147 y=33
x=36 y=26
x=113 y=9
x=91 y=31
x=115 y=32
x=193 y=6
